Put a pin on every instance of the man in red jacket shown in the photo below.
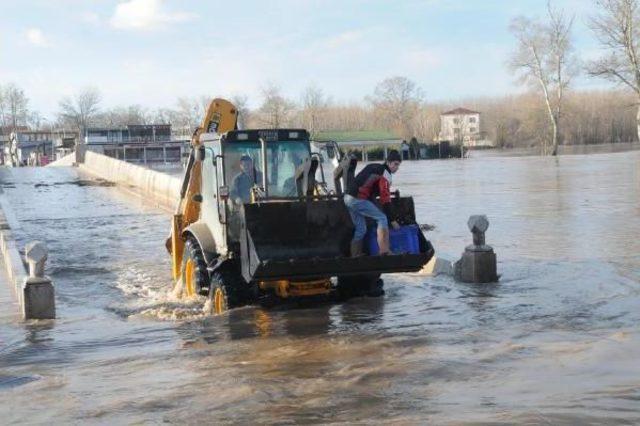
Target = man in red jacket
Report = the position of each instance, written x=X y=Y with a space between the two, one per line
x=373 y=181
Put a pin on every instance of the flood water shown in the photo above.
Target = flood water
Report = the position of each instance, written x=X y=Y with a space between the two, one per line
x=557 y=341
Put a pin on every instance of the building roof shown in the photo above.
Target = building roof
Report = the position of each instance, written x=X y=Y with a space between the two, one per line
x=460 y=111
x=8 y=129
x=101 y=129
x=32 y=144
x=23 y=137
x=148 y=126
x=129 y=127
x=35 y=132
x=358 y=135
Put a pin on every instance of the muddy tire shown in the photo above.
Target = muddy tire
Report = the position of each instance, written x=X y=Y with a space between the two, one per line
x=370 y=285
x=195 y=277
x=228 y=290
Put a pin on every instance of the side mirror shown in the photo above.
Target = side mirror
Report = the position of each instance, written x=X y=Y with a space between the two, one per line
x=200 y=153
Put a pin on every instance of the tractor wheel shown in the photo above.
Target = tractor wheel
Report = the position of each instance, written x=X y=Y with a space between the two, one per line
x=195 y=277
x=227 y=290
x=370 y=285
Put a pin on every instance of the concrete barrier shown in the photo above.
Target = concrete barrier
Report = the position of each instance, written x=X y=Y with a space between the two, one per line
x=66 y=161
x=35 y=294
x=160 y=189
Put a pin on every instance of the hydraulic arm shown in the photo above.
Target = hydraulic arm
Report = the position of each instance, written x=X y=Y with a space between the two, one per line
x=221 y=117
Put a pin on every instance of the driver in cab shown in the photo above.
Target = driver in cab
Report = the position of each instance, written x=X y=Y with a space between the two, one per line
x=245 y=180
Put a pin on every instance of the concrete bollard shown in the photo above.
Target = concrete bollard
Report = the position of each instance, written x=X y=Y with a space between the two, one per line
x=36 y=254
x=478 y=262
x=38 y=294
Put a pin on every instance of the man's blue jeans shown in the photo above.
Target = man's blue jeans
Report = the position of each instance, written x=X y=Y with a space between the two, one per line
x=359 y=210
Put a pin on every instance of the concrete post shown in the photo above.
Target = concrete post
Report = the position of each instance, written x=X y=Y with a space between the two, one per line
x=478 y=262
x=37 y=290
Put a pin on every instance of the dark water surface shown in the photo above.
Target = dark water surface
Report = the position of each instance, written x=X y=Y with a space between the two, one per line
x=557 y=341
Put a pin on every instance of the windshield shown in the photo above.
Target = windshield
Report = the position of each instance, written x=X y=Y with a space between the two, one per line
x=243 y=167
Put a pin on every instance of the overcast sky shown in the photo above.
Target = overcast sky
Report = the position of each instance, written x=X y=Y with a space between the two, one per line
x=150 y=52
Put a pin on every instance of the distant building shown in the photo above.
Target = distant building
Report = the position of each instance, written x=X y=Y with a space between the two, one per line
x=362 y=140
x=181 y=132
x=20 y=145
x=5 y=133
x=65 y=142
x=462 y=126
x=133 y=133
x=23 y=146
x=136 y=143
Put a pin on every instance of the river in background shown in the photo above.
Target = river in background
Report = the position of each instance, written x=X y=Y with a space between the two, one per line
x=555 y=342
x=604 y=148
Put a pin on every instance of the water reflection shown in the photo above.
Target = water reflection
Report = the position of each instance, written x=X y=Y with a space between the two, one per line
x=39 y=332
x=291 y=320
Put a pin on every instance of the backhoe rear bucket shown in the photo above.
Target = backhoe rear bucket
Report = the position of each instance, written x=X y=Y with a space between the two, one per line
x=303 y=239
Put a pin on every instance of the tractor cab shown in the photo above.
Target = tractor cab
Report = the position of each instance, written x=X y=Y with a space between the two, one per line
x=261 y=164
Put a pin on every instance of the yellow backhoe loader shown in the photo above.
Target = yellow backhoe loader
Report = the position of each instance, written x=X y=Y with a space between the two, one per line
x=254 y=222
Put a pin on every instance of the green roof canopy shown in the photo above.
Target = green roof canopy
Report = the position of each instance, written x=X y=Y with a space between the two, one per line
x=357 y=135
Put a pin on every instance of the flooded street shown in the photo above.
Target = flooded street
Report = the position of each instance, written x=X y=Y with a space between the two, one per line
x=557 y=341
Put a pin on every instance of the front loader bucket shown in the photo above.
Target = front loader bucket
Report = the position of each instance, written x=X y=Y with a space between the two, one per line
x=279 y=233
x=303 y=239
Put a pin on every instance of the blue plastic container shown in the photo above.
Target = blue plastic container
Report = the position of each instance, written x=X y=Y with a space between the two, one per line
x=403 y=240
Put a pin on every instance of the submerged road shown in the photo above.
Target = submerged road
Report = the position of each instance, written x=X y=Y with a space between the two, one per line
x=556 y=341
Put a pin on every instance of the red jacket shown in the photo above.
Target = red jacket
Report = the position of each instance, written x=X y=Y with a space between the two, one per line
x=373 y=181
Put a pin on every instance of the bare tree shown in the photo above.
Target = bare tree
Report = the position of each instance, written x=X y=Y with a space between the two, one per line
x=203 y=102
x=241 y=103
x=189 y=113
x=163 y=116
x=80 y=110
x=15 y=105
x=2 y=108
x=35 y=120
x=544 y=57
x=426 y=123
x=314 y=105
x=122 y=116
x=617 y=30
x=275 y=108
x=398 y=100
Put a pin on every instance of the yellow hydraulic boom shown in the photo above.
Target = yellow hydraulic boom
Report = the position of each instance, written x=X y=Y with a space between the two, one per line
x=221 y=117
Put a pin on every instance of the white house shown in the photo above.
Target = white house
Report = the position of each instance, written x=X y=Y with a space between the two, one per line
x=462 y=125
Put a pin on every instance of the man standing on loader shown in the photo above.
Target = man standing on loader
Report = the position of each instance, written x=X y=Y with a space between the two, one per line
x=373 y=181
